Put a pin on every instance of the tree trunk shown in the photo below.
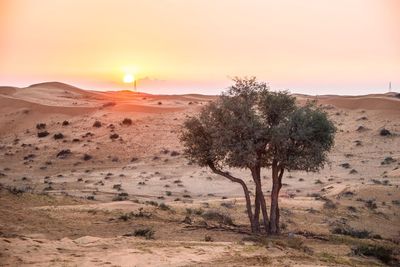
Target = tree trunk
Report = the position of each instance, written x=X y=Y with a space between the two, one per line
x=245 y=190
x=257 y=206
x=277 y=173
x=257 y=179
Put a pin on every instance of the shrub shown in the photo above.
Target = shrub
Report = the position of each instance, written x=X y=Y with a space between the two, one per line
x=153 y=203
x=384 y=132
x=114 y=136
x=65 y=123
x=120 y=197
x=58 y=136
x=41 y=126
x=345 y=165
x=87 y=157
x=228 y=205
x=218 y=216
x=388 y=160
x=127 y=122
x=97 y=124
x=42 y=134
x=108 y=104
x=208 y=238
x=191 y=211
x=329 y=204
x=164 y=206
x=379 y=252
x=351 y=232
x=145 y=232
x=353 y=171
x=370 y=203
x=64 y=153
x=175 y=153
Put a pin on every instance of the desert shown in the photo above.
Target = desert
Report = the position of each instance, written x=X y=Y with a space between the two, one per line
x=98 y=178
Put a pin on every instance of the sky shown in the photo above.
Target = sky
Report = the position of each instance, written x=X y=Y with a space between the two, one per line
x=197 y=46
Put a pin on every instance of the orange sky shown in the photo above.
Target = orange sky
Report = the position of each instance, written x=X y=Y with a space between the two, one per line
x=309 y=46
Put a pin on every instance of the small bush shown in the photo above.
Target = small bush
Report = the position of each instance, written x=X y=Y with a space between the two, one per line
x=228 y=205
x=388 y=160
x=218 y=216
x=58 y=136
x=208 y=238
x=352 y=209
x=127 y=122
x=145 y=232
x=153 y=203
x=351 y=232
x=353 y=171
x=41 y=126
x=65 y=123
x=114 y=136
x=108 y=104
x=164 y=206
x=191 y=211
x=168 y=193
x=97 y=124
x=385 y=132
x=345 y=165
x=329 y=204
x=42 y=134
x=87 y=157
x=370 y=203
x=64 y=153
x=379 y=252
x=175 y=153
x=120 y=197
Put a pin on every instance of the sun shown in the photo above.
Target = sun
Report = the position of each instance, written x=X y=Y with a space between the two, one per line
x=129 y=78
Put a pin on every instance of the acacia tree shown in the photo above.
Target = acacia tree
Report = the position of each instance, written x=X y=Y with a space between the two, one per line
x=250 y=127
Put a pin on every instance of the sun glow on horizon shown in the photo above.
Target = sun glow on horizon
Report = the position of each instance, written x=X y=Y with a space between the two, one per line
x=128 y=78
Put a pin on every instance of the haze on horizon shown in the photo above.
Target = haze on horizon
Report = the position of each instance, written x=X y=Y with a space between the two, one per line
x=174 y=47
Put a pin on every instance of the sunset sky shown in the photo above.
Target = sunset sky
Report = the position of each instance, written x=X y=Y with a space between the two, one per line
x=171 y=46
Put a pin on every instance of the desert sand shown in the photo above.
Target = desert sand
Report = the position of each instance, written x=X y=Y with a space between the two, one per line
x=81 y=207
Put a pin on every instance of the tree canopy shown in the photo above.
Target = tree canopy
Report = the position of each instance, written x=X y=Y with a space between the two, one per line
x=252 y=127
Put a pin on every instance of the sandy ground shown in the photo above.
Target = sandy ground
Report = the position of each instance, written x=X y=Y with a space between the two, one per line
x=81 y=210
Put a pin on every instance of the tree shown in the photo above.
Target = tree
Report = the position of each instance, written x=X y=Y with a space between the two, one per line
x=250 y=127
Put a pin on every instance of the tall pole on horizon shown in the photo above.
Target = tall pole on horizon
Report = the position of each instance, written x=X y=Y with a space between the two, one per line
x=134 y=85
x=390 y=87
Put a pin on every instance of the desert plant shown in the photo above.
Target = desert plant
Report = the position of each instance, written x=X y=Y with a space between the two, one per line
x=385 y=132
x=87 y=157
x=97 y=124
x=208 y=238
x=42 y=134
x=215 y=215
x=114 y=136
x=65 y=123
x=64 y=153
x=379 y=252
x=127 y=121
x=164 y=206
x=351 y=232
x=251 y=127
x=58 y=136
x=145 y=232
x=41 y=126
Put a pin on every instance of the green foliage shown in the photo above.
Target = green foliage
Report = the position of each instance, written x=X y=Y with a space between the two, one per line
x=252 y=125
x=379 y=252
